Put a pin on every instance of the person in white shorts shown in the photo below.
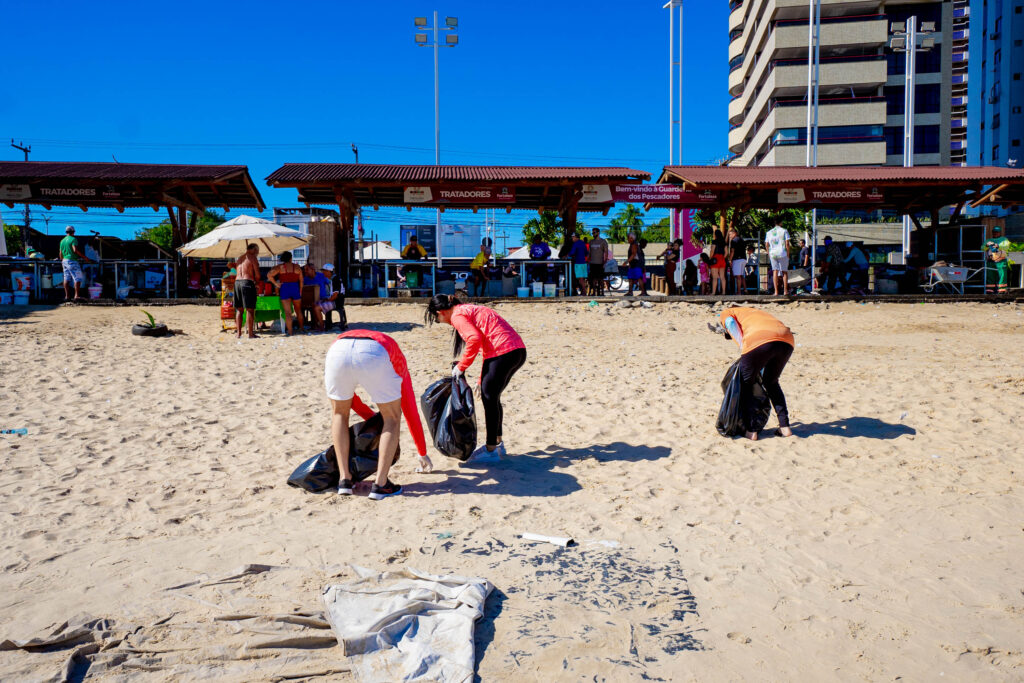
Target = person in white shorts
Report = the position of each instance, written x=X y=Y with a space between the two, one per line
x=776 y=243
x=373 y=361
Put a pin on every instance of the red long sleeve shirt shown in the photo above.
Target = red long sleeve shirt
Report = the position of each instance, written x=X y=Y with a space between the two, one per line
x=410 y=411
x=483 y=330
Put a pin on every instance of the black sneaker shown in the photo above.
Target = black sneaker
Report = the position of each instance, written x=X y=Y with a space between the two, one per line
x=381 y=492
x=345 y=487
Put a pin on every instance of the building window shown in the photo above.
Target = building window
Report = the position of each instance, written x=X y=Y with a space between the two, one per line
x=893 y=140
x=1016 y=77
x=995 y=154
x=999 y=25
x=929 y=62
x=926 y=139
x=828 y=134
x=1015 y=143
x=927 y=99
x=1016 y=110
x=996 y=120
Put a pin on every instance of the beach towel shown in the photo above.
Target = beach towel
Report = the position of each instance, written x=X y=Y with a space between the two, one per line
x=407 y=625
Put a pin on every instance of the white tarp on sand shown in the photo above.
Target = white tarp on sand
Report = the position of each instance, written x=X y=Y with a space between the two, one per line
x=407 y=625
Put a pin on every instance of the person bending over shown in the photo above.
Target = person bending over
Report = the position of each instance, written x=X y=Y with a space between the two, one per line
x=373 y=361
x=765 y=347
x=479 y=329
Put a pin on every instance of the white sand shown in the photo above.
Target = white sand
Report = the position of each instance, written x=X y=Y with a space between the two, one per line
x=886 y=542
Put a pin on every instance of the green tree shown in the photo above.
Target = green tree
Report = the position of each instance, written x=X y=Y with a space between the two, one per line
x=12 y=235
x=551 y=229
x=751 y=223
x=162 y=234
x=628 y=219
x=658 y=232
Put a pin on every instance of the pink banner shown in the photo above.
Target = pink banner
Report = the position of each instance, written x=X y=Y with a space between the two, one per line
x=841 y=195
x=684 y=221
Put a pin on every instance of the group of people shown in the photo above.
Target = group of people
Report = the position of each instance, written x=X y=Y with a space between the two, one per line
x=374 y=361
x=286 y=280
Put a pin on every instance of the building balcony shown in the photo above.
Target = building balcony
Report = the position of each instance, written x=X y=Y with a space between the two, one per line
x=793 y=114
x=957 y=123
x=867 y=153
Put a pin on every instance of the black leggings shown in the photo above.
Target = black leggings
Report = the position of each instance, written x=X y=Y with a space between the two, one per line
x=769 y=360
x=494 y=378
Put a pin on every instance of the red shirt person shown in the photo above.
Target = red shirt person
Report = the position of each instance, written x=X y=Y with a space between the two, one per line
x=374 y=361
x=480 y=330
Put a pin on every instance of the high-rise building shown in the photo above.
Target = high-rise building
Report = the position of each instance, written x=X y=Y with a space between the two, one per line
x=996 y=87
x=861 y=100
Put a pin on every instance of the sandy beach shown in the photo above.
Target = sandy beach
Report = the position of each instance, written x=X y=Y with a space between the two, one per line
x=884 y=543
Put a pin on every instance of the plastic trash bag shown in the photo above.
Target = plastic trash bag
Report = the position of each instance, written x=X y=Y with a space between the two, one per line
x=730 y=415
x=450 y=412
x=321 y=472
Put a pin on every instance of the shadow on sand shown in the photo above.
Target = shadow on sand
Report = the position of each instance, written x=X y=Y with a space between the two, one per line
x=386 y=328
x=532 y=474
x=854 y=427
x=8 y=314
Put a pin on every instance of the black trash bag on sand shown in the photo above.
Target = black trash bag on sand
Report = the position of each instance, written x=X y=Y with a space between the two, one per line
x=321 y=472
x=730 y=415
x=450 y=412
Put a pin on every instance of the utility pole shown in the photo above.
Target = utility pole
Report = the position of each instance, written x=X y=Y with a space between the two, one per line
x=24 y=228
x=355 y=150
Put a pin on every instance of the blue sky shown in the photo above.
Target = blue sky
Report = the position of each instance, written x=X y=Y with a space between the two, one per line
x=263 y=83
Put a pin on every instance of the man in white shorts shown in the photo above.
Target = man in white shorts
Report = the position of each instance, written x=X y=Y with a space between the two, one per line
x=776 y=243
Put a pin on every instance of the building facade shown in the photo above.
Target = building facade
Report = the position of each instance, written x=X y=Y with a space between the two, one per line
x=996 y=91
x=861 y=92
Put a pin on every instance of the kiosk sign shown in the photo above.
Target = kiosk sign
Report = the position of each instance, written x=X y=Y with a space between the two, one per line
x=447 y=194
x=840 y=195
x=645 y=194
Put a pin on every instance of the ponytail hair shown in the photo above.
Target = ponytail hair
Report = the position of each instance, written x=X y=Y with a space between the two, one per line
x=445 y=302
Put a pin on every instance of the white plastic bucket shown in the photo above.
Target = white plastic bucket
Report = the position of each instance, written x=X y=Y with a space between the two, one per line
x=538 y=289
x=550 y=290
x=123 y=291
x=523 y=292
x=95 y=291
x=22 y=281
x=21 y=298
x=6 y=298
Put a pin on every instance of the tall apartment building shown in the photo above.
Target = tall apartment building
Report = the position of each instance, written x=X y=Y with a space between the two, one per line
x=996 y=88
x=861 y=95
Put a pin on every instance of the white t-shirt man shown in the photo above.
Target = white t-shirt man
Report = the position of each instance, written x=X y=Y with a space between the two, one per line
x=777 y=241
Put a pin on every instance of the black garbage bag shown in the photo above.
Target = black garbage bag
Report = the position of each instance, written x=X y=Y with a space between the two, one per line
x=321 y=472
x=450 y=411
x=730 y=415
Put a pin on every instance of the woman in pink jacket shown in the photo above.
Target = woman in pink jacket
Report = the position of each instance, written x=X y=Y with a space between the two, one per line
x=479 y=329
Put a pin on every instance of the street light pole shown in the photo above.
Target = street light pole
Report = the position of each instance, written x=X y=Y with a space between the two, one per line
x=813 y=79
x=905 y=40
x=451 y=40
x=24 y=228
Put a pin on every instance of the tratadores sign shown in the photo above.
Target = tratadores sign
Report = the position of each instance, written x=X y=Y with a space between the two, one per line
x=855 y=195
x=442 y=194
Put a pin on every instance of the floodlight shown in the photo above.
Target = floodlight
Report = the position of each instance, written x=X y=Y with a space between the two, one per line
x=899 y=43
x=927 y=43
x=420 y=21
x=897 y=27
x=452 y=22
x=451 y=39
x=927 y=26
x=421 y=38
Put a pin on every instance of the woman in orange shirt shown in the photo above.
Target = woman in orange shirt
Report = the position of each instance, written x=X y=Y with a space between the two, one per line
x=765 y=347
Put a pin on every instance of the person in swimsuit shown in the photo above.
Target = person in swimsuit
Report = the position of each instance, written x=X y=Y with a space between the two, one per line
x=373 y=361
x=480 y=329
x=287 y=278
x=765 y=347
x=246 y=289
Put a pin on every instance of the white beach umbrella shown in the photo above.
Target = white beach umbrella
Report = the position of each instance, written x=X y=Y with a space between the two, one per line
x=230 y=239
